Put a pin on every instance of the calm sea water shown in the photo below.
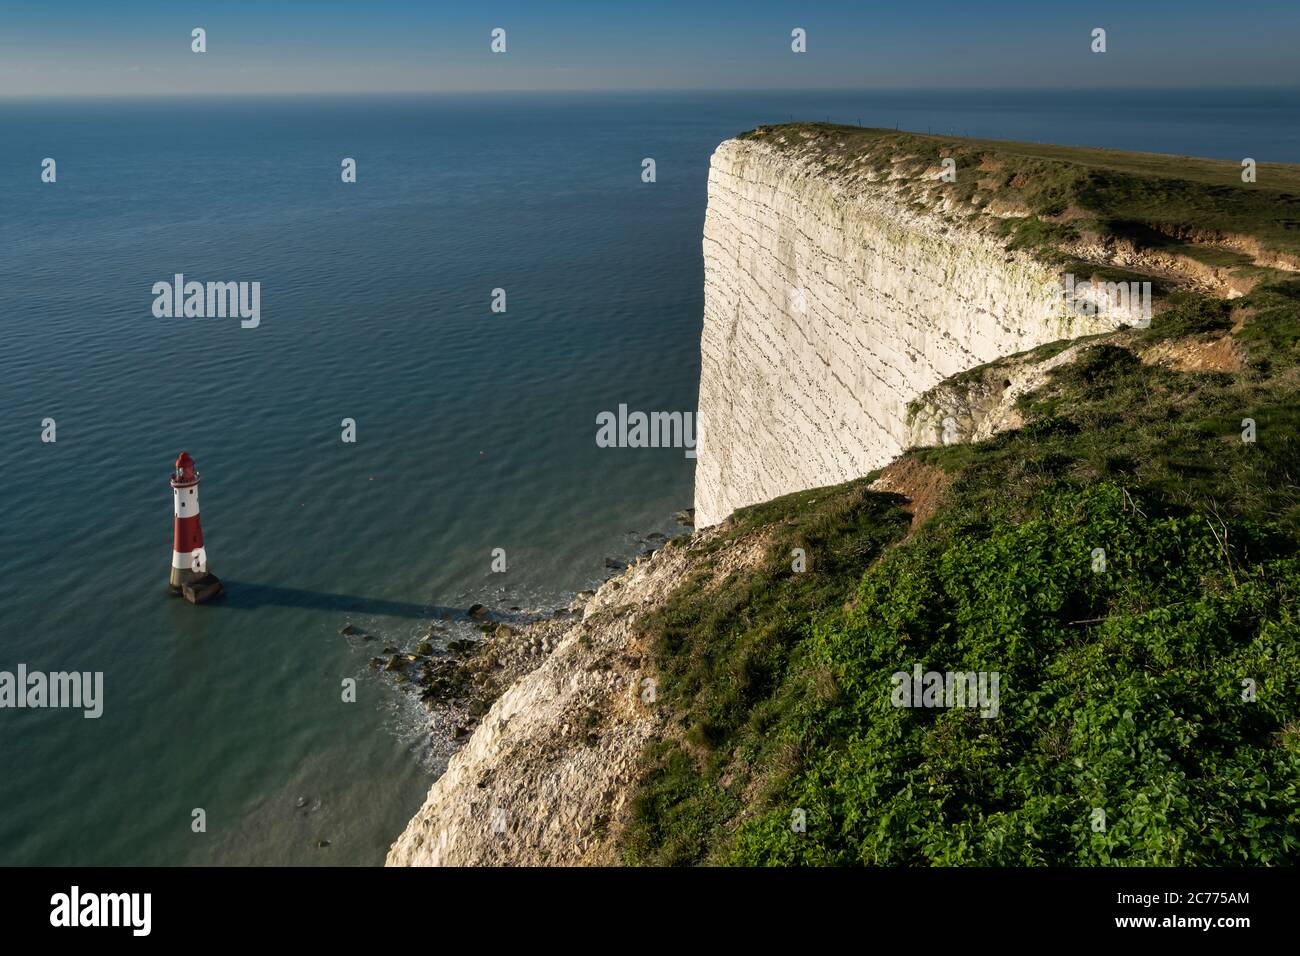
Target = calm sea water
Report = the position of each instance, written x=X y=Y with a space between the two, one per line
x=475 y=430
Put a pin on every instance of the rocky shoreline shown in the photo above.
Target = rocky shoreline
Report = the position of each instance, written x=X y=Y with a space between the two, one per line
x=563 y=706
x=464 y=661
x=457 y=678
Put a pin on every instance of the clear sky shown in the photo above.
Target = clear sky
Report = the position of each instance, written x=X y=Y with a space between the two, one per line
x=116 y=47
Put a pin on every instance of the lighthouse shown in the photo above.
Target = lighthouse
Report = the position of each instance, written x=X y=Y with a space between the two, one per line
x=190 y=575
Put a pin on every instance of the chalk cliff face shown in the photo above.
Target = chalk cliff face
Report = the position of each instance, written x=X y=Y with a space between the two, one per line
x=832 y=299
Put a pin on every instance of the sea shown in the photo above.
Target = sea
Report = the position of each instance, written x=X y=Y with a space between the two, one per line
x=226 y=734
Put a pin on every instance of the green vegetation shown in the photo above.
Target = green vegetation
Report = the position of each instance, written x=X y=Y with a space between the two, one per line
x=1033 y=233
x=1120 y=689
x=1179 y=205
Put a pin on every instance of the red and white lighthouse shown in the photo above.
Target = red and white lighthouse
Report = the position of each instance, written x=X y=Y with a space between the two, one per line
x=189 y=557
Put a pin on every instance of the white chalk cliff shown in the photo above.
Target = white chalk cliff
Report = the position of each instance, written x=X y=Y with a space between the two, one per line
x=832 y=299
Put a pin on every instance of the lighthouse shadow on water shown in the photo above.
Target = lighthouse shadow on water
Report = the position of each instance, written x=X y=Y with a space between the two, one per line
x=249 y=596
x=192 y=579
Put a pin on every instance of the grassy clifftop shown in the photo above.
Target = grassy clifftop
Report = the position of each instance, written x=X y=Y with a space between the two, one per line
x=1185 y=216
x=1150 y=707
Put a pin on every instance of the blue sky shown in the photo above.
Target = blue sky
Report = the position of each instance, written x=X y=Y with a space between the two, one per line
x=122 y=47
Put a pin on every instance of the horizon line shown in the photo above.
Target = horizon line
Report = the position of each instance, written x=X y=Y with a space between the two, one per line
x=255 y=94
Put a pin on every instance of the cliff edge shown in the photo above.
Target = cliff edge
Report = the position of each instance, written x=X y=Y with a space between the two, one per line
x=847 y=271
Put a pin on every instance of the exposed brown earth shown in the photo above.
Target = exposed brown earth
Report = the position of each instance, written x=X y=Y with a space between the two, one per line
x=1197 y=354
x=921 y=484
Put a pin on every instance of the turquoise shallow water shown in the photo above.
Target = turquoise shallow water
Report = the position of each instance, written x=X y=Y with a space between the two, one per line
x=475 y=431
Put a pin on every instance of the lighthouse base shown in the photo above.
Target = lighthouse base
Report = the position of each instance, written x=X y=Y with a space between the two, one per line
x=183 y=576
x=202 y=589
